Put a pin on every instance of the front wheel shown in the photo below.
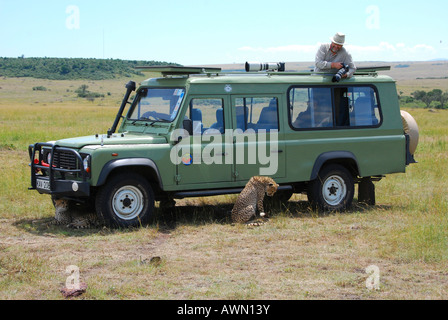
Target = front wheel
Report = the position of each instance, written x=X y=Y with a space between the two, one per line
x=332 y=190
x=127 y=200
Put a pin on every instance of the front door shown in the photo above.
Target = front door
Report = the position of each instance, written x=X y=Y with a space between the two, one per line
x=205 y=161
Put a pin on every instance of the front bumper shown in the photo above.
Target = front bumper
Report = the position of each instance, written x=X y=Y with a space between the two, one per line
x=63 y=176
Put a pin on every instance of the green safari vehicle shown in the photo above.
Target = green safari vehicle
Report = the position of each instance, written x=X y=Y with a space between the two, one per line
x=202 y=131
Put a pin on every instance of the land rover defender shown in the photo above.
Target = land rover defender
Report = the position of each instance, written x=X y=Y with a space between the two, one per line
x=202 y=131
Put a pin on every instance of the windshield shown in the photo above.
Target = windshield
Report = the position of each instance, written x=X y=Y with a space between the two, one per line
x=157 y=104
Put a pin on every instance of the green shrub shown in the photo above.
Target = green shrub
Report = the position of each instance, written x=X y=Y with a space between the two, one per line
x=39 y=88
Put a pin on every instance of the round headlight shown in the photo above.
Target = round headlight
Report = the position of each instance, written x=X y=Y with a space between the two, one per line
x=49 y=157
x=86 y=163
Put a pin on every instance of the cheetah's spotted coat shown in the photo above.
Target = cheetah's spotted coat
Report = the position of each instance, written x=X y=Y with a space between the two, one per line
x=73 y=218
x=251 y=198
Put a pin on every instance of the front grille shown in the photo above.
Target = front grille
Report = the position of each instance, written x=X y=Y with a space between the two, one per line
x=66 y=164
x=65 y=160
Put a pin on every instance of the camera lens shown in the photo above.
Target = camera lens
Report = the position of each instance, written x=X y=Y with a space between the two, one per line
x=265 y=66
x=338 y=76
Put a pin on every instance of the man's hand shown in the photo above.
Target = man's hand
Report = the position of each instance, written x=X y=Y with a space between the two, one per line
x=336 y=65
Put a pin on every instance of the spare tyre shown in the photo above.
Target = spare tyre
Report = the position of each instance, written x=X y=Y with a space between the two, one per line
x=410 y=128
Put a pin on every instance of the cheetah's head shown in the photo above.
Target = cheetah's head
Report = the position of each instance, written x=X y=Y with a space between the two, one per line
x=271 y=188
x=60 y=203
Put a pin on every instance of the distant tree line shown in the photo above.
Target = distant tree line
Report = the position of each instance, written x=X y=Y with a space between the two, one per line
x=72 y=68
x=435 y=98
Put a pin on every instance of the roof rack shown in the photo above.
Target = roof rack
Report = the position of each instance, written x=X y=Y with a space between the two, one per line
x=177 y=70
x=187 y=71
x=373 y=70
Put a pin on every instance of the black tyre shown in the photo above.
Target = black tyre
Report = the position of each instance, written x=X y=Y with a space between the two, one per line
x=126 y=200
x=278 y=199
x=332 y=190
x=283 y=196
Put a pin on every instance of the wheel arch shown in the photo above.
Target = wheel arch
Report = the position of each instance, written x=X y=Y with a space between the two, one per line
x=344 y=158
x=145 y=167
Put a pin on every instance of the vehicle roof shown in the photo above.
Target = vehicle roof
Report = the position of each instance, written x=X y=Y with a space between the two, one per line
x=261 y=79
x=182 y=76
x=284 y=78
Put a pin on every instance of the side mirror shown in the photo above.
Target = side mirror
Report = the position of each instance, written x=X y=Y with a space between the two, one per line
x=188 y=126
x=179 y=139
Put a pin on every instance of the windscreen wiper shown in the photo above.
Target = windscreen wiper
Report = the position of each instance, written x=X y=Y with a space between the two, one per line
x=146 y=119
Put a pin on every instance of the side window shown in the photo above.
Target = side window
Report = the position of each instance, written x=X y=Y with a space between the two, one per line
x=356 y=107
x=310 y=108
x=325 y=107
x=257 y=113
x=206 y=113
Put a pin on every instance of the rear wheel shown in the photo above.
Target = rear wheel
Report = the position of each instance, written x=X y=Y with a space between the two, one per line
x=333 y=189
x=127 y=200
x=283 y=195
x=279 y=199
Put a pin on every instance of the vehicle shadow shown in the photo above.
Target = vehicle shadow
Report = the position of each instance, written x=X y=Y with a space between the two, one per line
x=170 y=219
x=166 y=220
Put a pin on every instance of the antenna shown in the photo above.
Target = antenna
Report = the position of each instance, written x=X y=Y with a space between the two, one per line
x=104 y=41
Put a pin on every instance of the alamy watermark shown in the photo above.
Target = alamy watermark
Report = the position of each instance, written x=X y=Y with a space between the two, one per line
x=373 y=281
x=72 y=22
x=373 y=19
x=72 y=281
x=232 y=147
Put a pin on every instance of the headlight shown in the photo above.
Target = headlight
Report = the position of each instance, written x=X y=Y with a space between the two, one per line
x=86 y=163
x=49 y=157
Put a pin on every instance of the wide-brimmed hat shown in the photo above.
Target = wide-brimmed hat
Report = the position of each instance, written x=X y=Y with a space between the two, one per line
x=338 y=38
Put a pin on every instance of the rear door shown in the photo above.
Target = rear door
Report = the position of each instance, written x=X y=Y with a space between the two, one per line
x=259 y=149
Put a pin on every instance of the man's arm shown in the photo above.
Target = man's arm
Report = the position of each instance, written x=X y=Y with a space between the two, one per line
x=320 y=62
x=351 y=64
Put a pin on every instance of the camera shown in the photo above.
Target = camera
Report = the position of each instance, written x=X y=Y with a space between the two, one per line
x=338 y=76
x=265 y=66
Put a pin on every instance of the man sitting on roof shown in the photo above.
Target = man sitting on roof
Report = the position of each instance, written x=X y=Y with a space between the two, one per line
x=334 y=56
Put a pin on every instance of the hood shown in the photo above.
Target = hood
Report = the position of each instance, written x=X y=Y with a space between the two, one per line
x=115 y=139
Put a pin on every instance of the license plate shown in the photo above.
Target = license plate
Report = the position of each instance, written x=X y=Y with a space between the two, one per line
x=43 y=184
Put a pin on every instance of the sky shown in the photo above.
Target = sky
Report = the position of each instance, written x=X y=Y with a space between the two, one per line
x=202 y=32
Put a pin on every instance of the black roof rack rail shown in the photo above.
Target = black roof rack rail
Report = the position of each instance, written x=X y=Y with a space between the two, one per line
x=177 y=70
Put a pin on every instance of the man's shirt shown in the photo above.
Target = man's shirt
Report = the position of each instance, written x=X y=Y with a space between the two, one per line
x=325 y=57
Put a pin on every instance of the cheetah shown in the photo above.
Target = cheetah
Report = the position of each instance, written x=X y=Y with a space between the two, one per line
x=252 y=197
x=68 y=215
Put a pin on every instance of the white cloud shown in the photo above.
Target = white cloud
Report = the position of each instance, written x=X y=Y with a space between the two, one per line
x=396 y=52
x=384 y=51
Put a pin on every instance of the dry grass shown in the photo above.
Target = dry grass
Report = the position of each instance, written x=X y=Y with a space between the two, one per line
x=295 y=256
x=298 y=254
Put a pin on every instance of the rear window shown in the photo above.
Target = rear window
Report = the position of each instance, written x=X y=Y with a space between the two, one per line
x=333 y=107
